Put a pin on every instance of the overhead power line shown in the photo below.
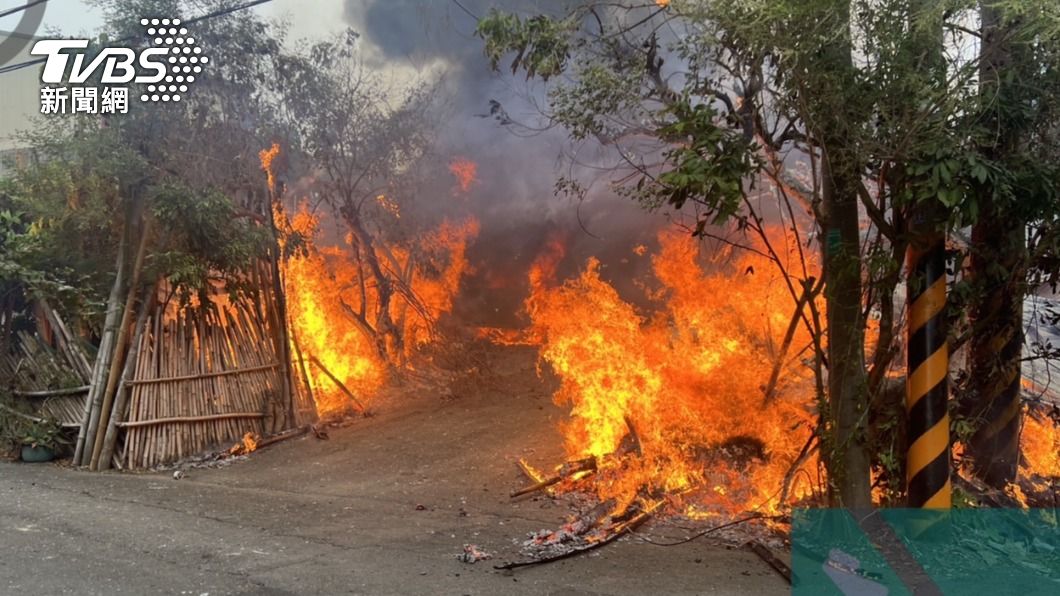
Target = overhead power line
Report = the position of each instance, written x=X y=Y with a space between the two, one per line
x=25 y=6
x=218 y=13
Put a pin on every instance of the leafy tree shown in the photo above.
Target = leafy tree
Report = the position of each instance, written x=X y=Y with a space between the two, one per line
x=877 y=100
x=361 y=145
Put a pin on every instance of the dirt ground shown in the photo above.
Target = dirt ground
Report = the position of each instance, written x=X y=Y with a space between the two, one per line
x=382 y=507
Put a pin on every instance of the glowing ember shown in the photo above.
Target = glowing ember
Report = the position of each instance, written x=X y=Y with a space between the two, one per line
x=465 y=171
x=389 y=206
x=682 y=390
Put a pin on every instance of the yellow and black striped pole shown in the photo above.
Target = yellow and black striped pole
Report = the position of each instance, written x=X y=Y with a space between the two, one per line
x=928 y=359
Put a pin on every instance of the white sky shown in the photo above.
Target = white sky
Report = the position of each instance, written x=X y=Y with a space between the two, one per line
x=308 y=18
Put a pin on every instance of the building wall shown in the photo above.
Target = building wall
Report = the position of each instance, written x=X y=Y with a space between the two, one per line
x=19 y=101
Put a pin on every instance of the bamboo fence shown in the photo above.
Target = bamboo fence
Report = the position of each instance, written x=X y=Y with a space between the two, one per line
x=198 y=377
x=203 y=379
x=48 y=369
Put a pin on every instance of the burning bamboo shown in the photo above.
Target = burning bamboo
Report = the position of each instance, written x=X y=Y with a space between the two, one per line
x=568 y=470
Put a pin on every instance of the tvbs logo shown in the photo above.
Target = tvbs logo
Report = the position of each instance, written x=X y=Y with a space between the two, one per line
x=166 y=68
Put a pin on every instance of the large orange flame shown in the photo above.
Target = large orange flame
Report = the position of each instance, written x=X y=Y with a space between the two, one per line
x=685 y=386
x=321 y=284
x=1040 y=443
x=329 y=301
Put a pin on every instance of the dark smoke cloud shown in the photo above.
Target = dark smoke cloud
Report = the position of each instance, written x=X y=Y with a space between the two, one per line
x=514 y=198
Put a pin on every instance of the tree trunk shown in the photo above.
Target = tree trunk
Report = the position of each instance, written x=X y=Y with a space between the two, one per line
x=848 y=465
x=997 y=268
x=388 y=336
x=833 y=112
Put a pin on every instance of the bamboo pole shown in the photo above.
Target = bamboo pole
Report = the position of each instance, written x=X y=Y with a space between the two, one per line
x=283 y=348
x=189 y=418
x=67 y=346
x=110 y=438
x=198 y=376
x=90 y=417
x=143 y=363
x=305 y=374
x=53 y=392
x=117 y=361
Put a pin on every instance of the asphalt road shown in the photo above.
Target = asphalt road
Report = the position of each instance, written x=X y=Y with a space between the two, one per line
x=383 y=507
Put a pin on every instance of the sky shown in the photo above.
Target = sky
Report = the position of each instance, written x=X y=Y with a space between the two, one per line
x=308 y=17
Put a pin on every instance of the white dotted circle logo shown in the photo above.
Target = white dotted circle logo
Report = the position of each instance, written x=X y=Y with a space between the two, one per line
x=184 y=59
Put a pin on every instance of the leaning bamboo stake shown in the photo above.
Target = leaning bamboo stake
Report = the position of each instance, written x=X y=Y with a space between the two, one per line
x=283 y=348
x=254 y=350
x=117 y=362
x=148 y=394
x=134 y=392
x=103 y=462
x=216 y=428
x=243 y=384
x=337 y=382
x=301 y=365
x=90 y=418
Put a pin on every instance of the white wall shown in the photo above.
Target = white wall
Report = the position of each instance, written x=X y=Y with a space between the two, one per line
x=19 y=97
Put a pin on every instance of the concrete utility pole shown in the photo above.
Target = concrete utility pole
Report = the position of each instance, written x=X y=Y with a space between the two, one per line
x=928 y=362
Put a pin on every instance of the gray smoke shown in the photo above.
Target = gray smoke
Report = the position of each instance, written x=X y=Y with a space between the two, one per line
x=514 y=198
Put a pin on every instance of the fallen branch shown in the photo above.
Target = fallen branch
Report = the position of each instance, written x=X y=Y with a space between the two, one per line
x=287 y=434
x=257 y=443
x=805 y=453
x=531 y=473
x=699 y=535
x=583 y=465
x=767 y=555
